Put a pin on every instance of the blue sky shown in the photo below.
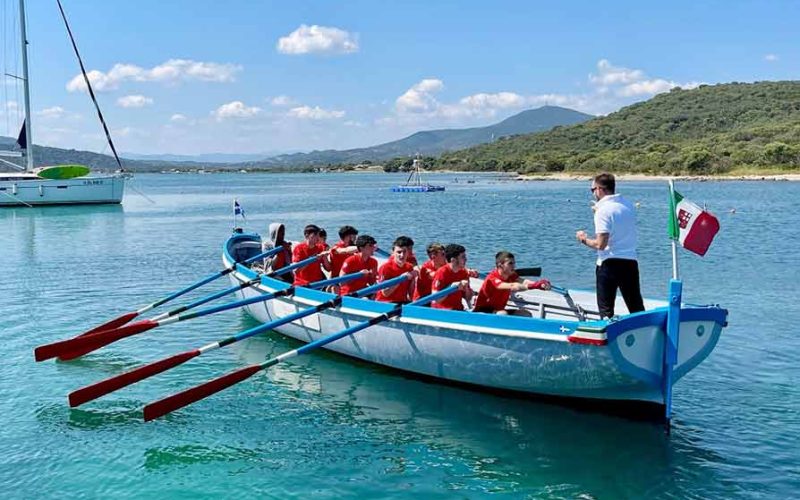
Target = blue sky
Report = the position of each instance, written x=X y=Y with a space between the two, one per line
x=191 y=77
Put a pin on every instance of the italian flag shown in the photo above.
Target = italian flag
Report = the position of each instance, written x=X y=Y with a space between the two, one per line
x=693 y=227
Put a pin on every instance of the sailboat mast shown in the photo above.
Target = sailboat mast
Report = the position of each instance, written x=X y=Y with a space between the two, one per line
x=27 y=91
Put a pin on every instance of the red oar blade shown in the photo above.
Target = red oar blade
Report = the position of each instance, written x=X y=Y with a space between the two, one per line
x=97 y=340
x=43 y=352
x=189 y=396
x=77 y=346
x=94 y=391
x=114 y=323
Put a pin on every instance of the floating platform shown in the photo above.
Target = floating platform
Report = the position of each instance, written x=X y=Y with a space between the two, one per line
x=416 y=189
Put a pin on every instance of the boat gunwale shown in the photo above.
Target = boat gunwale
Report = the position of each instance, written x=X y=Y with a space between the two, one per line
x=509 y=326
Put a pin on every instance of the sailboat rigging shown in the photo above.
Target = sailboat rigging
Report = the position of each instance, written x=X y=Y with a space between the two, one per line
x=60 y=184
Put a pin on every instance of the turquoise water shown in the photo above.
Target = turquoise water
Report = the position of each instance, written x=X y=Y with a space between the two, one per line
x=328 y=426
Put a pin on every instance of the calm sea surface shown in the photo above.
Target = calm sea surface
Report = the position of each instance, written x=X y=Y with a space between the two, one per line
x=328 y=426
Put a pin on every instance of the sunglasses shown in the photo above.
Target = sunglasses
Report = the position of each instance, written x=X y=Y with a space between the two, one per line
x=594 y=189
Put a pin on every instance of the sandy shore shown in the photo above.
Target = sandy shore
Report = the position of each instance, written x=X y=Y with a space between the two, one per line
x=642 y=177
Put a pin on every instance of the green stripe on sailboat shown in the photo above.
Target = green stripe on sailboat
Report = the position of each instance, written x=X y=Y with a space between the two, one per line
x=60 y=172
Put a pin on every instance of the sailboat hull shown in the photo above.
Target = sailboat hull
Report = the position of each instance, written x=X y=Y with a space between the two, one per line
x=22 y=191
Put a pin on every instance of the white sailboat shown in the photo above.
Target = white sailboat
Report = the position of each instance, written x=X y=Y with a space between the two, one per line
x=58 y=185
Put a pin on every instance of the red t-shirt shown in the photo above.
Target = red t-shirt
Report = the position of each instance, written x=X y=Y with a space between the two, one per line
x=282 y=259
x=401 y=291
x=424 y=280
x=443 y=278
x=490 y=297
x=337 y=259
x=353 y=264
x=311 y=272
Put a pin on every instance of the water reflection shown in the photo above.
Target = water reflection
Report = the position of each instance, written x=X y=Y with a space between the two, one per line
x=530 y=446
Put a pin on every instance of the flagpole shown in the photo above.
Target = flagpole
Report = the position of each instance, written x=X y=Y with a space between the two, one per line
x=234 y=213
x=673 y=323
x=674 y=242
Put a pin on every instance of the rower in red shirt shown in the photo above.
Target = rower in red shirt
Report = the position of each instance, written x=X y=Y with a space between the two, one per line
x=323 y=240
x=362 y=261
x=454 y=271
x=305 y=249
x=342 y=249
x=499 y=284
x=410 y=257
x=428 y=269
x=397 y=265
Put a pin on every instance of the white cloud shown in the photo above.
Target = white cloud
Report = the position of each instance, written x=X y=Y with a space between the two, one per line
x=419 y=98
x=235 y=110
x=172 y=71
x=177 y=118
x=613 y=75
x=316 y=39
x=134 y=101
x=420 y=101
x=771 y=57
x=625 y=82
x=646 y=87
x=282 y=101
x=53 y=112
x=610 y=88
x=315 y=113
x=488 y=101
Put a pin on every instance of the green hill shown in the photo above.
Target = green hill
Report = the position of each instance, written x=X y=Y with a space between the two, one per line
x=46 y=155
x=712 y=129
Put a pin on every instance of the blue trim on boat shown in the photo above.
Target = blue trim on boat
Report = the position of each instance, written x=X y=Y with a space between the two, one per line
x=653 y=317
x=367 y=305
x=467 y=319
x=702 y=354
x=311 y=294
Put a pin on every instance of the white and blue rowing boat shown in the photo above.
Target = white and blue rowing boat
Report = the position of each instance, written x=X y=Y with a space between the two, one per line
x=563 y=350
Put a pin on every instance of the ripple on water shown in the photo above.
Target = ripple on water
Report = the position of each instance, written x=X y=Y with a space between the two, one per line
x=326 y=426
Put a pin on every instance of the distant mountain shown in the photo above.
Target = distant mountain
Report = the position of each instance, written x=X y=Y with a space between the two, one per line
x=429 y=142
x=435 y=142
x=712 y=129
x=204 y=158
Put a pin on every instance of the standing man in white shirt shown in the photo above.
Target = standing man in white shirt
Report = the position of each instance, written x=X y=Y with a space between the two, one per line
x=615 y=242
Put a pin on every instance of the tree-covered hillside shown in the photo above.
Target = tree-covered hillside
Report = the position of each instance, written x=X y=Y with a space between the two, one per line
x=708 y=130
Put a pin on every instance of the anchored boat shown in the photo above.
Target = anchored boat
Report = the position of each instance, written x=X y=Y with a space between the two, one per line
x=564 y=349
x=53 y=185
x=414 y=183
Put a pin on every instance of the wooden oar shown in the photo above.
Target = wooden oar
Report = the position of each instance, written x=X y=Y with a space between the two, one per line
x=83 y=344
x=125 y=318
x=579 y=312
x=171 y=403
x=96 y=390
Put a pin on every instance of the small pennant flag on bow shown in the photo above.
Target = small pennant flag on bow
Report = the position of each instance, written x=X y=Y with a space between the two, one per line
x=693 y=227
x=238 y=210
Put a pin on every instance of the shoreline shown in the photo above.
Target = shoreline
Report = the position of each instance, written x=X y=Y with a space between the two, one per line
x=644 y=177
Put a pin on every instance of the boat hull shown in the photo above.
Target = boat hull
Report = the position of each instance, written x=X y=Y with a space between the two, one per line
x=619 y=361
x=75 y=191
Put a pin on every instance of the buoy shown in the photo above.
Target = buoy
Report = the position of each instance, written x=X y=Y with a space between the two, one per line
x=733 y=210
x=638 y=204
